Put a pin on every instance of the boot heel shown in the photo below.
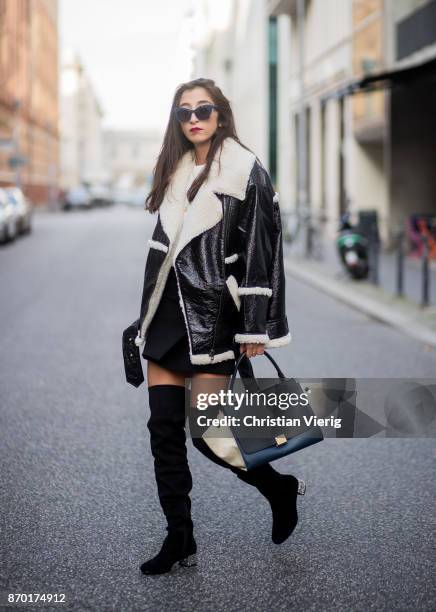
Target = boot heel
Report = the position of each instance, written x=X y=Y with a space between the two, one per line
x=189 y=561
x=301 y=487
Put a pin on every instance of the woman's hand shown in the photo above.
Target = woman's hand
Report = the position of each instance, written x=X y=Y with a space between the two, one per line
x=252 y=349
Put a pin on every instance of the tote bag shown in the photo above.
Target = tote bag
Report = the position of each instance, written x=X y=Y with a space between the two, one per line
x=248 y=452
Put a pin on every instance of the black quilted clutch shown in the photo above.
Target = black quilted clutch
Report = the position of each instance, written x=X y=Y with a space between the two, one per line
x=132 y=356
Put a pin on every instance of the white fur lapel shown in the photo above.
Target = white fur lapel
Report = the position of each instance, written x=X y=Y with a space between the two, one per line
x=205 y=210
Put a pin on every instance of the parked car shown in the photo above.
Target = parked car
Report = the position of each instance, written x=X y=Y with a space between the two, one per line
x=77 y=197
x=119 y=195
x=100 y=195
x=8 y=218
x=136 y=196
x=23 y=209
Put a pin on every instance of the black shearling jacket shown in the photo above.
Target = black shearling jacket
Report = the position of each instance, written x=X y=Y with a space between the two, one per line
x=226 y=248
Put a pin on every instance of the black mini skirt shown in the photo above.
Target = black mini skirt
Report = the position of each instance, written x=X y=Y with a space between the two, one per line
x=167 y=340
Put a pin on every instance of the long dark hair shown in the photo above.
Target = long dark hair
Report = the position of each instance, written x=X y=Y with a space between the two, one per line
x=175 y=143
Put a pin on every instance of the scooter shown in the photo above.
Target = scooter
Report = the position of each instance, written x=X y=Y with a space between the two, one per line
x=353 y=249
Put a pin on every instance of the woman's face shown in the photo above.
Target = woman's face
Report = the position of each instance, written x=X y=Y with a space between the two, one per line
x=198 y=132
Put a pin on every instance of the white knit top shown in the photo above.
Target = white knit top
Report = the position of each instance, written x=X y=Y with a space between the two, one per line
x=195 y=172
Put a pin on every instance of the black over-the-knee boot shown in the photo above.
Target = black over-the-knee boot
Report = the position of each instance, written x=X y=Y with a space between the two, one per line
x=173 y=477
x=280 y=490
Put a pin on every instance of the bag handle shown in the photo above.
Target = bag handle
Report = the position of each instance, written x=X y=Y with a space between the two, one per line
x=250 y=368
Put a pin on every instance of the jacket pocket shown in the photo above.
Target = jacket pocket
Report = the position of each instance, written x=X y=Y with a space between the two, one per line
x=160 y=246
x=232 y=288
x=232 y=258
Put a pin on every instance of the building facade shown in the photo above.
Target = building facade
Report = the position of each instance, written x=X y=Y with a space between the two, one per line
x=355 y=89
x=331 y=146
x=412 y=35
x=335 y=96
x=231 y=46
x=130 y=156
x=81 y=126
x=29 y=113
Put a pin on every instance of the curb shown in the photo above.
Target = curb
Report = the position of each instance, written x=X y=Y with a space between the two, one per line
x=363 y=303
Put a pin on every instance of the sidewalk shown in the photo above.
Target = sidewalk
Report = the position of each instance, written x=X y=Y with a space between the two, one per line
x=379 y=302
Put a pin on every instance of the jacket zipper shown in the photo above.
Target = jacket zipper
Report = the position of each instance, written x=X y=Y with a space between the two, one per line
x=225 y=232
x=212 y=351
x=182 y=304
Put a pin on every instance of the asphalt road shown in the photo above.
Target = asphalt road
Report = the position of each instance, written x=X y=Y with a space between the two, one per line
x=79 y=504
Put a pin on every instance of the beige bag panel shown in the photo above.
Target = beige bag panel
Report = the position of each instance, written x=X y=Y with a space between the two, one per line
x=225 y=448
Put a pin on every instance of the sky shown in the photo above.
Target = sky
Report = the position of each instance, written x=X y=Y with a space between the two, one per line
x=135 y=52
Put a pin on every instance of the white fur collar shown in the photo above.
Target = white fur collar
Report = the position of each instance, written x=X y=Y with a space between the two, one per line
x=205 y=210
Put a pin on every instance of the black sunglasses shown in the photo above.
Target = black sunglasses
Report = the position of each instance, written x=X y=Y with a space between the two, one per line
x=202 y=112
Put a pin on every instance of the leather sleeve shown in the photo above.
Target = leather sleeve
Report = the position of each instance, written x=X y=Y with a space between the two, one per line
x=262 y=290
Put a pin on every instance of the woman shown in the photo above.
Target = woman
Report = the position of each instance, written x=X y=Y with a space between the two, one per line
x=214 y=280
